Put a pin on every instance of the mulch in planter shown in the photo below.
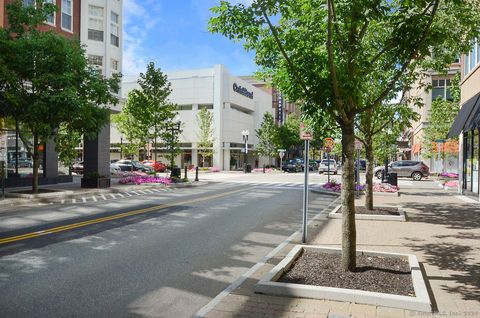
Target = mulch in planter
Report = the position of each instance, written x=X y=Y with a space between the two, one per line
x=379 y=274
x=377 y=211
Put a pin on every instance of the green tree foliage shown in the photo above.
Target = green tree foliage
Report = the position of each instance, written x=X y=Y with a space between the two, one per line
x=205 y=134
x=344 y=58
x=372 y=123
x=267 y=136
x=66 y=142
x=289 y=135
x=171 y=137
x=45 y=81
x=441 y=117
x=148 y=110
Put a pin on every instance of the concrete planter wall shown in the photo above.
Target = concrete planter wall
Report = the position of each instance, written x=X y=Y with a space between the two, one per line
x=269 y=284
x=337 y=214
x=99 y=183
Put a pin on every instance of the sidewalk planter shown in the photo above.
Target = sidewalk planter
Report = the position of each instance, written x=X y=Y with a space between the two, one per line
x=337 y=214
x=98 y=183
x=269 y=284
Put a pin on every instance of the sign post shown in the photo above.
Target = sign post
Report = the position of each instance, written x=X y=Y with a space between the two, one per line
x=439 y=149
x=307 y=136
x=329 y=143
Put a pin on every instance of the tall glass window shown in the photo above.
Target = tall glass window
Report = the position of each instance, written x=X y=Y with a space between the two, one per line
x=95 y=23
x=475 y=162
x=67 y=15
x=468 y=161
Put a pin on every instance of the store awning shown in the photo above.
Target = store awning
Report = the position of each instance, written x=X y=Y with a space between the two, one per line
x=467 y=117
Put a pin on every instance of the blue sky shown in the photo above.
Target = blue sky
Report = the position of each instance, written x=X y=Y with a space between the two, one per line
x=174 y=35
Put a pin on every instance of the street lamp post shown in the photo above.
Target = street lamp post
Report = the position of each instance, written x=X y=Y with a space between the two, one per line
x=245 y=134
x=121 y=147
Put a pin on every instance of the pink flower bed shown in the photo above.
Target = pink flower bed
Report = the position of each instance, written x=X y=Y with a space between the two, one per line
x=144 y=179
x=125 y=174
x=451 y=184
x=449 y=175
x=385 y=187
x=337 y=187
x=261 y=170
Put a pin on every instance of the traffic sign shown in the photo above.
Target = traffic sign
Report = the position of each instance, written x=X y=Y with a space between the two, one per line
x=304 y=134
x=329 y=143
x=358 y=144
x=282 y=150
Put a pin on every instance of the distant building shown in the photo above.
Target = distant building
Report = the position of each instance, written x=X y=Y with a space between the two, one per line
x=282 y=107
x=236 y=106
x=441 y=85
x=467 y=123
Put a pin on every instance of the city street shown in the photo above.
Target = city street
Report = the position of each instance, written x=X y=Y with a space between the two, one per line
x=161 y=254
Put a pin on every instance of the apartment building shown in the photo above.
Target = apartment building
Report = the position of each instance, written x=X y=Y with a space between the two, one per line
x=467 y=123
x=236 y=106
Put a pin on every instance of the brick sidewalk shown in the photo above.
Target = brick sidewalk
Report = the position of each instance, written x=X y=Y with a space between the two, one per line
x=441 y=230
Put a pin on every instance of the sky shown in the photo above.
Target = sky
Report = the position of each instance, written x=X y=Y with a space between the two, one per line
x=174 y=35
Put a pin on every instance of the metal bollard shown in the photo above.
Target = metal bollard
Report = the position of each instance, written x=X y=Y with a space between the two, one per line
x=185 y=176
x=196 y=174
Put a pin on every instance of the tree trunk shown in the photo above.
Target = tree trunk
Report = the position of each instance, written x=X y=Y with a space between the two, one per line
x=369 y=174
x=349 y=235
x=36 y=164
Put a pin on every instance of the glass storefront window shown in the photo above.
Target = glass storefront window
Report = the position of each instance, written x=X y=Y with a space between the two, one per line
x=468 y=161
x=475 y=162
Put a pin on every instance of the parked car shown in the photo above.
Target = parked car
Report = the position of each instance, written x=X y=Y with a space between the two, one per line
x=114 y=168
x=292 y=165
x=157 y=166
x=405 y=168
x=324 y=166
x=77 y=167
x=22 y=163
x=132 y=165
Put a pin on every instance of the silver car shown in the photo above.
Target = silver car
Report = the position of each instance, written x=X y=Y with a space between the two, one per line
x=405 y=168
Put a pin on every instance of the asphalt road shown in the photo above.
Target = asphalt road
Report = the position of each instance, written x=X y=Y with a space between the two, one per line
x=168 y=261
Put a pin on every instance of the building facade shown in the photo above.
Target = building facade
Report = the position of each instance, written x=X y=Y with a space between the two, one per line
x=440 y=88
x=236 y=106
x=467 y=123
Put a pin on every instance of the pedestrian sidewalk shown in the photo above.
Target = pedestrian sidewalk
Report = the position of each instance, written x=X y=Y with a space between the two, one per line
x=442 y=230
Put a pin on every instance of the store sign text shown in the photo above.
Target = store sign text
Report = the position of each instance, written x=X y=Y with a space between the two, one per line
x=242 y=90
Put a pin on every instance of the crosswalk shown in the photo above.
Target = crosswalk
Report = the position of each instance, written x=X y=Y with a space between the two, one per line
x=269 y=184
x=99 y=197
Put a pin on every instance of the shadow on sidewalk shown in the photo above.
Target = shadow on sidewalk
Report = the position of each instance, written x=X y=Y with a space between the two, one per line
x=449 y=251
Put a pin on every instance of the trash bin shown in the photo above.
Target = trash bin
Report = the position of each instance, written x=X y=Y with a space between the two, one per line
x=176 y=172
x=249 y=168
x=392 y=178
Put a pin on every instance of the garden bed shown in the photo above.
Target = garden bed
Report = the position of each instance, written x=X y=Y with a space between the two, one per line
x=379 y=213
x=385 y=279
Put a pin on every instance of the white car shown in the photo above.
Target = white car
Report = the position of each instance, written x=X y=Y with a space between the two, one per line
x=323 y=166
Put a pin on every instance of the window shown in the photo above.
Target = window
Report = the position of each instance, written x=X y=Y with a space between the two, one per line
x=441 y=89
x=67 y=15
x=184 y=107
x=115 y=29
x=95 y=60
x=114 y=64
x=472 y=58
x=28 y=3
x=95 y=23
x=50 y=17
x=205 y=106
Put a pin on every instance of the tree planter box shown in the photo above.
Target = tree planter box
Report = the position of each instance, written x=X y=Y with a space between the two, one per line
x=337 y=214
x=269 y=284
x=96 y=183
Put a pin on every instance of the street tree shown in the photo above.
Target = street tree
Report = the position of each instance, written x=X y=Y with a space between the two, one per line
x=371 y=123
x=67 y=141
x=171 y=138
x=205 y=134
x=45 y=81
x=267 y=136
x=344 y=58
x=289 y=134
x=149 y=104
x=127 y=124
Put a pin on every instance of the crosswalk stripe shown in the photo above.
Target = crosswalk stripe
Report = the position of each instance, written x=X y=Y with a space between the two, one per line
x=103 y=196
x=112 y=195
x=84 y=199
x=94 y=198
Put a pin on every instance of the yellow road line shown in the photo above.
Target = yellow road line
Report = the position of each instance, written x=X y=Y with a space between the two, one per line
x=109 y=218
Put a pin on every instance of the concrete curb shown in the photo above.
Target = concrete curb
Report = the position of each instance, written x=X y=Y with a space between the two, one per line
x=373 y=217
x=387 y=194
x=321 y=191
x=420 y=302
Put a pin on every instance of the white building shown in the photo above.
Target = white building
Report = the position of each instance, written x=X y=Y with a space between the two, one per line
x=101 y=32
x=236 y=106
